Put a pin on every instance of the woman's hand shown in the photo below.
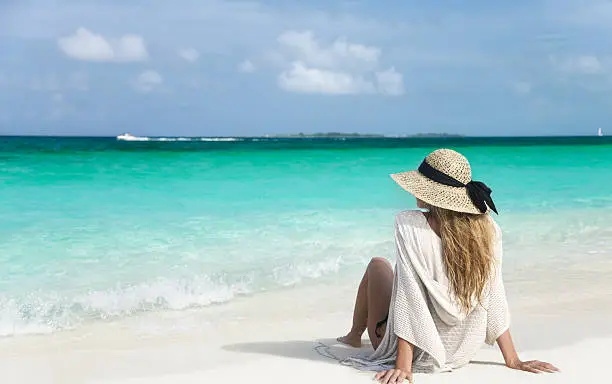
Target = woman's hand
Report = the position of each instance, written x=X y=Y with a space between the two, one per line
x=533 y=366
x=393 y=376
x=403 y=365
x=512 y=360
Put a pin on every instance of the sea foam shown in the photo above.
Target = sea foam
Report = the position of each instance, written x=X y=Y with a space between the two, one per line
x=45 y=312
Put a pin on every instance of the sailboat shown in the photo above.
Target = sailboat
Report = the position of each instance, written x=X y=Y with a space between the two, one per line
x=599 y=132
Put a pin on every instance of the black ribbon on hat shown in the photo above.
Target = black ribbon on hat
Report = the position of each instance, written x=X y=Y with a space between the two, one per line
x=478 y=191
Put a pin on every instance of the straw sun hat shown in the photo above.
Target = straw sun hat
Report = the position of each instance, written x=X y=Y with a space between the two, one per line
x=444 y=180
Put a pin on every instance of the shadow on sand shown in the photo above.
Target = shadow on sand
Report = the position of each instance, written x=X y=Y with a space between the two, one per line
x=493 y=363
x=325 y=350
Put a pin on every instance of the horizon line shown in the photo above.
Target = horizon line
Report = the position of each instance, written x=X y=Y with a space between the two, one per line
x=318 y=136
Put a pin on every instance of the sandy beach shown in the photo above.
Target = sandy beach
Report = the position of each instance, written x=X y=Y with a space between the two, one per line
x=288 y=336
x=190 y=192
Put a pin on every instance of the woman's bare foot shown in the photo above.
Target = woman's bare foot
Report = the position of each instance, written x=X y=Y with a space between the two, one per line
x=350 y=339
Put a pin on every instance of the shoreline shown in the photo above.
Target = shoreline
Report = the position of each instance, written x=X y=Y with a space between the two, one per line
x=251 y=333
x=579 y=280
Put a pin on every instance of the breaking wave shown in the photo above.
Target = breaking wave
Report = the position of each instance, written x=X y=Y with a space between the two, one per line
x=46 y=312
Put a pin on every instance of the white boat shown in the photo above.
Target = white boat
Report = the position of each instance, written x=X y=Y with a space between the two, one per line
x=599 y=132
x=126 y=136
x=130 y=137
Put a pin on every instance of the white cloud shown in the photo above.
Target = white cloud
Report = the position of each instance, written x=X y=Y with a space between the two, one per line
x=189 y=54
x=341 y=54
x=303 y=79
x=88 y=46
x=522 y=87
x=247 y=66
x=390 y=82
x=337 y=68
x=589 y=65
x=147 y=81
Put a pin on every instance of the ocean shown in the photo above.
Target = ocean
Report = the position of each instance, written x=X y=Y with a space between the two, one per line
x=96 y=229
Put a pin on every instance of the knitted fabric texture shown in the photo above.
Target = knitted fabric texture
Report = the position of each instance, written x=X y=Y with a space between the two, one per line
x=425 y=313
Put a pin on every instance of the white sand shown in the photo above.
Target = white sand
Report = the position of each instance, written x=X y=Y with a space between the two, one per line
x=578 y=368
x=271 y=338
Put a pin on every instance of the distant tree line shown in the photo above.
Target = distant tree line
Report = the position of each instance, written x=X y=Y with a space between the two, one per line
x=355 y=134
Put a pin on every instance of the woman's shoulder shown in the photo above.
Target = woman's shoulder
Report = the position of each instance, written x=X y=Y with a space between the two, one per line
x=407 y=215
x=410 y=218
x=414 y=218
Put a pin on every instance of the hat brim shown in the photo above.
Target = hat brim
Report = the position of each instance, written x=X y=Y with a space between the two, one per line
x=436 y=194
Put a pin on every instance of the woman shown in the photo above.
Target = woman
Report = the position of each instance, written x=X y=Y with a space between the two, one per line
x=446 y=296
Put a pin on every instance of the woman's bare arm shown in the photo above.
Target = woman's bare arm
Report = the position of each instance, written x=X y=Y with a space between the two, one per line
x=405 y=351
x=506 y=345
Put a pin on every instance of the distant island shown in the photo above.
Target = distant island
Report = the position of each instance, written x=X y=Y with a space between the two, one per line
x=362 y=135
x=327 y=134
x=435 y=135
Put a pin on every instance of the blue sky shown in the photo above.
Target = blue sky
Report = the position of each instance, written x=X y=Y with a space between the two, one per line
x=202 y=67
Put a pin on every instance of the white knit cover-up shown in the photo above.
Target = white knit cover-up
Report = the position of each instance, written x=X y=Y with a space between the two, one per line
x=425 y=313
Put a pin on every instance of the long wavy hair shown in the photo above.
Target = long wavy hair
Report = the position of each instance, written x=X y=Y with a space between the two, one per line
x=468 y=251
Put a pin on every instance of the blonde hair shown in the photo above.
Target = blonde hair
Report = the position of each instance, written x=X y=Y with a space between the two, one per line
x=468 y=252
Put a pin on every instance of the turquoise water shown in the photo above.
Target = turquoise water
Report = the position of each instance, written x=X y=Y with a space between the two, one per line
x=96 y=229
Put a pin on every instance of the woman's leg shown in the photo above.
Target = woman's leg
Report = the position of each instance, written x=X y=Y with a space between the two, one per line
x=372 y=302
x=360 y=314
